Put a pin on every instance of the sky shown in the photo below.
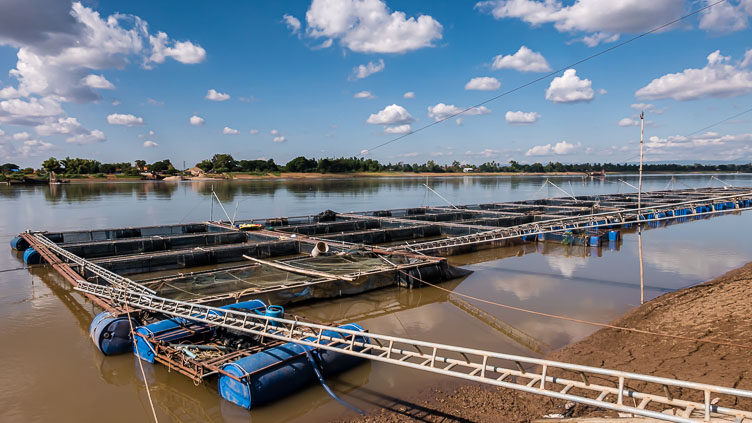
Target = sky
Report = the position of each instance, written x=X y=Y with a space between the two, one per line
x=119 y=81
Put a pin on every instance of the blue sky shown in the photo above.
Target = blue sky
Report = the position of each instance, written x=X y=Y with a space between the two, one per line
x=119 y=81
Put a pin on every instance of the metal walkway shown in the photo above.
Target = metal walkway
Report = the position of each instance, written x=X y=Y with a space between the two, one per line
x=598 y=387
x=649 y=214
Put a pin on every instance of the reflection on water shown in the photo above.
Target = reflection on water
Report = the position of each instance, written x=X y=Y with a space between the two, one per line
x=52 y=372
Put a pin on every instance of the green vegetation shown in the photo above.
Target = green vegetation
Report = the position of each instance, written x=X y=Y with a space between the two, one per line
x=71 y=168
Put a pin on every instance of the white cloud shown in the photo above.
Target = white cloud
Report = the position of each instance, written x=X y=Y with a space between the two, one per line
x=602 y=91
x=29 y=148
x=254 y=131
x=183 y=51
x=97 y=81
x=57 y=60
x=560 y=148
x=520 y=117
x=280 y=138
x=604 y=20
x=362 y=71
x=154 y=102
x=229 y=131
x=21 y=136
x=747 y=58
x=399 y=129
x=411 y=94
x=368 y=26
x=629 y=122
x=459 y=121
x=124 y=119
x=483 y=83
x=150 y=144
x=569 y=88
x=87 y=138
x=213 y=95
x=292 y=23
x=717 y=79
x=726 y=17
x=709 y=144
x=641 y=106
x=363 y=94
x=444 y=111
x=35 y=111
x=196 y=120
x=391 y=115
x=525 y=60
x=487 y=153
x=274 y=132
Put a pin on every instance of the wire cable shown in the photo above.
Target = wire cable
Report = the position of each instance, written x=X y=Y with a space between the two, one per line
x=546 y=76
x=140 y=364
x=719 y=122
x=725 y=342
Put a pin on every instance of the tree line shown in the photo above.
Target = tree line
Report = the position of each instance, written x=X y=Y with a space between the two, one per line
x=224 y=163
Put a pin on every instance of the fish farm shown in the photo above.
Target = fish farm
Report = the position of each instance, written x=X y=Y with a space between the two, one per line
x=208 y=299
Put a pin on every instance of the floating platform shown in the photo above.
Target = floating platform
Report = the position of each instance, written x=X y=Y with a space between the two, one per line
x=260 y=265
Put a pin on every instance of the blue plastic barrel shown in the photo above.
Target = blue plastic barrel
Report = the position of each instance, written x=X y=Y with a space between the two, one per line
x=595 y=241
x=168 y=330
x=613 y=235
x=277 y=372
x=18 y=243
x=275 y=311
x=112 y=334
x=32 y=256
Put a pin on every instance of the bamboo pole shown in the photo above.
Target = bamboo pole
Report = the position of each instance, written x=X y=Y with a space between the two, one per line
x=639 y=206
x=298 y=270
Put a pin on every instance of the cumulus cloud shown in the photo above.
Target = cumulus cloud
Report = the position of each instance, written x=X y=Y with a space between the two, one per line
x=124 y=119
x=525 y=60
x=368 y=26
x=411 y=94
x=29 y=148
x=89 y=137
x=196 y=120
x=229 y=131
x=363 y=94
x=521 y=118
x=569 y=88
x=726 y=17
x=274 y=132
x=719 y=78
x=391 y=115
x=363 y=71
x=58 y=48
x=280 y=138
x=214 y=95
x=629 y=122
x=183 y=51
x=150 y=144
x=443 y=111
x=601 y=20
x=709 y=144
x=747 y=59
x=399 y=129
x=483 y=83
x=560 y=148
x=293 y=23
x=97 y=81
x=254 y=131
x=31 y=112
x=21 y=136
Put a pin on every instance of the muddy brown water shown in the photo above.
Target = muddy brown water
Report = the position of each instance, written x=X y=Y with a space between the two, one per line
x=52 y=372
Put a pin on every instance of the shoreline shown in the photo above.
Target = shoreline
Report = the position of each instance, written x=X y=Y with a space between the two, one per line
x=715 y=309
x=367 y=175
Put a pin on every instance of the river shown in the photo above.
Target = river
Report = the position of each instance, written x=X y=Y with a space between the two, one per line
x=52 y=371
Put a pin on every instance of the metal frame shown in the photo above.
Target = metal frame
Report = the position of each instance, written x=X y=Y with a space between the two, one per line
x=521 y=373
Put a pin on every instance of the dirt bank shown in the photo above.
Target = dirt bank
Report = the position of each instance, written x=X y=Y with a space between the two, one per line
x=719 y=309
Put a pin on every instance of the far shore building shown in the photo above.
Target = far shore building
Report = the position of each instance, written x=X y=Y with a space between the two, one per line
x=196 y=171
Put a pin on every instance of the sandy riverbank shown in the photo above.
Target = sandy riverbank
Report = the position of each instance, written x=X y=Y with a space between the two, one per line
x=718 y=309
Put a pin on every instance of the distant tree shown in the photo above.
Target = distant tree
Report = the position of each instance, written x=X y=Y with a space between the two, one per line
x=8 y=167
x=52 y=165
x=140 y=164
x=301 y=164
x=205 y=165
x=223 y=163
x=161 y=166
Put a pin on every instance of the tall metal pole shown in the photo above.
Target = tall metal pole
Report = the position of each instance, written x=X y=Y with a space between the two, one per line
x=639 y=206
x=211 y=211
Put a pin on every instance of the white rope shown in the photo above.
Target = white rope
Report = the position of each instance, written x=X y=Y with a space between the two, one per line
x=440 y=196
x=140 y=364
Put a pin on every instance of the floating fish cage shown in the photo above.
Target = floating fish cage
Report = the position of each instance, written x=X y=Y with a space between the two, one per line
x=259 y=266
